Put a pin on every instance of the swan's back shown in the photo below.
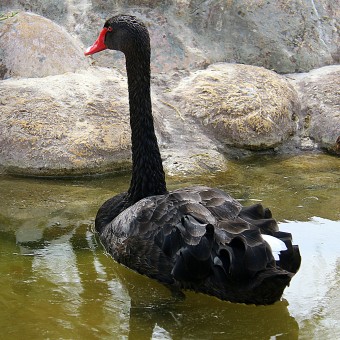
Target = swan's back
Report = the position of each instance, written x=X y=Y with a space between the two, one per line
x=202 y=239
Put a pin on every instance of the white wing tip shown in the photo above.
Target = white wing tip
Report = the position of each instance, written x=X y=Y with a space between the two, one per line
x=275 y=244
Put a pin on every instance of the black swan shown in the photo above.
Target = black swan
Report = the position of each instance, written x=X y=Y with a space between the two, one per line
x=196 y=238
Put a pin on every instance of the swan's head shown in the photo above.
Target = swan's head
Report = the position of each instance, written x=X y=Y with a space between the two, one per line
x=123 y=33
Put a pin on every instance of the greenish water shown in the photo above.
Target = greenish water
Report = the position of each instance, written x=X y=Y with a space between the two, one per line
x=57 y=283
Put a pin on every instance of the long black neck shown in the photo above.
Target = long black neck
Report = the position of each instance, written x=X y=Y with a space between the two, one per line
x=147 y=171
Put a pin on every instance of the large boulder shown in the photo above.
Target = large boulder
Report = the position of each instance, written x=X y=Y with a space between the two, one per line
x=292 y=36
x=286 y=36
x=33 y=46
x=320 y=107
x=78 y=123
x=70 y=124
x=241 y=106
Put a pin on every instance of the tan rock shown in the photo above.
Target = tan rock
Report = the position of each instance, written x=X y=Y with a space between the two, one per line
x=78 y=123
x=33 y=46
x=243 y=106
x=70 y=124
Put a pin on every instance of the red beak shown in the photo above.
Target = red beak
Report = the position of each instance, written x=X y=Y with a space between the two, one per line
x=99 y=44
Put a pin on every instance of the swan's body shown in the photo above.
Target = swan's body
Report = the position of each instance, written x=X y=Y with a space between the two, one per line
x=196 y=238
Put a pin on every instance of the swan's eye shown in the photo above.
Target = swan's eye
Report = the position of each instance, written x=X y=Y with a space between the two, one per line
x=109 y=29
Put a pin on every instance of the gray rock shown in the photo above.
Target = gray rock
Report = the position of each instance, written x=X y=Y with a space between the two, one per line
x=52 y=9
x=320 y=107
x=286 y=36
x=33 y=46
x=185 y=147
x=77 y=123
x=289 y=36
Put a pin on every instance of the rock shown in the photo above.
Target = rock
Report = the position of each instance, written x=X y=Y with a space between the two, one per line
x=55 y=10
x=70 y=124
x=289 y=36
x=33 y=46
x=78 y=124
x=185 y=148
x=320 y=107
x=292 y=36
x=240 y=106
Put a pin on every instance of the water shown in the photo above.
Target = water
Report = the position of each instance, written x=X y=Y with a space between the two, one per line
x=57 y=283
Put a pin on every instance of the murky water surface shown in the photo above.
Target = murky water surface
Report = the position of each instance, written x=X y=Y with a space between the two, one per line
x=57 y=283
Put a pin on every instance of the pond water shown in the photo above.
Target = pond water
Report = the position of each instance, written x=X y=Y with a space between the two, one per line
x=57 y=282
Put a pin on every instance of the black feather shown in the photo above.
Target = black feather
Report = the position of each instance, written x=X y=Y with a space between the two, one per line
x=198 y=238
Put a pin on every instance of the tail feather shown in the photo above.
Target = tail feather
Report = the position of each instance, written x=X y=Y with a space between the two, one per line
x=243 y=259
x=259 y=217
x=194 y=261
x=290 y=259
x=232 y=260
x=256 y=212
x=240 y=259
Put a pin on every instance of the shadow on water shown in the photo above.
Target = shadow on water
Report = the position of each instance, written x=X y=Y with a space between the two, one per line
x=57 y=282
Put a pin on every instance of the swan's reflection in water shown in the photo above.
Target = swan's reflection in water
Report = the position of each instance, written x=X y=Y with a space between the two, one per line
x=76 y=291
